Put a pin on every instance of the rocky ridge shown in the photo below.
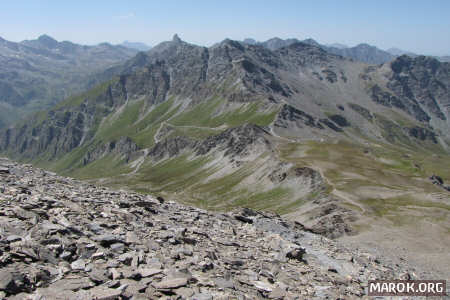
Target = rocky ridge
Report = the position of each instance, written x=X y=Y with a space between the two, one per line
x=65 y=239
x=362 y=52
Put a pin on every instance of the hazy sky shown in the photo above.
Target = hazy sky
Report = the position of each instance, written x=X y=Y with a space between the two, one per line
x=419 y=26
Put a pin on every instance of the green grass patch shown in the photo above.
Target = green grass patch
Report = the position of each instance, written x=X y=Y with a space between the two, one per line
x=129 y=122
x=116 y=126
x=171 y=170
x=108 y=166
x=389 y=206
x=268 y=200
x=192 y=133
x=145 y=137
x=204 y=114
x=69 y=161
x=225 y=184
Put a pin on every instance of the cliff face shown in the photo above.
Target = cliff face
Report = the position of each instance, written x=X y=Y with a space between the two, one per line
x=424 y=79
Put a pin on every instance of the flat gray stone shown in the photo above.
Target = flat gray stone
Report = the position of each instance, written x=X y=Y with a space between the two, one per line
x=277 y=293
x=118 y=247
x=79 y=264
x=6 y=280
x=72 y=284
x=223 y=283
x=54 y=294
x=184 y=292
x=202 y=296
x=149 y=272
x=13 y=238
x=98 y=276
x=171 y=283
x=263 y=286
x=104 y=293
x=108 y=239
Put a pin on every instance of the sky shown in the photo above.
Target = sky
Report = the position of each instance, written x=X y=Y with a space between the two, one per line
x=419 y=26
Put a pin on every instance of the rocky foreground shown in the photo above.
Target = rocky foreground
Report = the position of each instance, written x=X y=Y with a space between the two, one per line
x=65 y=239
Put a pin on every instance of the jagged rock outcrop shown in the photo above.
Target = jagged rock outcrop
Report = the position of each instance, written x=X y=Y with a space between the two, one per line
x=124 y=146
x=364 y=112
x=418 y=86
x=170 y=147
x=61 y=238
x=289 y=114
x=425 y=80
x=437 y=180
x=313 y=177
x=60 y=133
x=408 y=105
x=339 y=120
x=422 y=134
x=236 y=141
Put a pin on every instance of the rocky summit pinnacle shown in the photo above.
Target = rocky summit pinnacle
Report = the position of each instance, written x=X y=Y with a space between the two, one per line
x=65 y=239
x=176 y=38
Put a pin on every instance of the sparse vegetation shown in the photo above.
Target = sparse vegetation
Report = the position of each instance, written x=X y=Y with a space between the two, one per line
x=206 y=115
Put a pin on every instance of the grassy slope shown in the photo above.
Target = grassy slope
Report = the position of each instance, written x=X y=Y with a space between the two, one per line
x=384 y=166
x=185 y=179
x=179 y=174
x=205 y=115
x=386 y=180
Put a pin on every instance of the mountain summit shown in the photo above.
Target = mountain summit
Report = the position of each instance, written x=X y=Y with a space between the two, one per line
x=176 y=38
x=48 y=41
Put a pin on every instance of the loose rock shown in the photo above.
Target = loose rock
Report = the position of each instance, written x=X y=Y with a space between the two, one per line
x=66 y=239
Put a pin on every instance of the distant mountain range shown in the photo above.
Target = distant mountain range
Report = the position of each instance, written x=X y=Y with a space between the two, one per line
x=362 y=52
x=35 y=74
x=398 y=52
x=136 y=45
x=338 y=45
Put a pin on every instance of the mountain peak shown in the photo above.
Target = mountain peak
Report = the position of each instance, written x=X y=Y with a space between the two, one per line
x=365 y=45
x=47 y=41
x=176 y=38
x=231 y=43
x=46 y=38
x=311 y=41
